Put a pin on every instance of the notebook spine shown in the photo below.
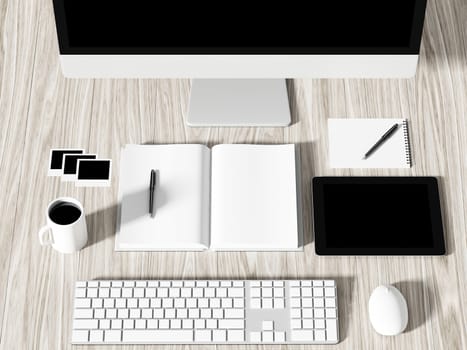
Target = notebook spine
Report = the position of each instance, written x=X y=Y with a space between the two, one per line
x=408 y=152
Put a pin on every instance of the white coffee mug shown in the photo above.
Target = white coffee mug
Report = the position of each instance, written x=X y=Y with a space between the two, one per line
x=66 y=229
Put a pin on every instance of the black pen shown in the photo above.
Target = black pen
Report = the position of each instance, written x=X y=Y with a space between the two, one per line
x=152 y=192
x=383 y=138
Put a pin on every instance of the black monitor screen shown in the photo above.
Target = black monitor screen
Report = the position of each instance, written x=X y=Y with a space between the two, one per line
x=239 y=27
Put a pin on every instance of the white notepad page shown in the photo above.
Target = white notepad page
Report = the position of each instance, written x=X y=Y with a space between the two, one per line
x=254 y=198
x=181 y=221
x=350 y=139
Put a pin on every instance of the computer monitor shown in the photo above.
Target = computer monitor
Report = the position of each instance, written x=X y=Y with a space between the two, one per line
x=239 y=51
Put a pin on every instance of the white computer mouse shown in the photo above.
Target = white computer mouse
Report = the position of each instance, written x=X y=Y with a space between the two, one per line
x=388 y=310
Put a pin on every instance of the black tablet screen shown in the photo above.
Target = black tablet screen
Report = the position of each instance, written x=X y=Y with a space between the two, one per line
x=377 y=216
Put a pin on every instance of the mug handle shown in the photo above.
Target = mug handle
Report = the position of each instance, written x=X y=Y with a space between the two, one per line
x=42 y=233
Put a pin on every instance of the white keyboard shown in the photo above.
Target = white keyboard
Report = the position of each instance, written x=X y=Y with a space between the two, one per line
x=205 y=312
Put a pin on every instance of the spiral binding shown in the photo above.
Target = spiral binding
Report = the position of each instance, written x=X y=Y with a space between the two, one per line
x=408 y=152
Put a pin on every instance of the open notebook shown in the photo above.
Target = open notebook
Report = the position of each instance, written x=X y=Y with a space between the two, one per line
x=235 y=197
x=350 y=139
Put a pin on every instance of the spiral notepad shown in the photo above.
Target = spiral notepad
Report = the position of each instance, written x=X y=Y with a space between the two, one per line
x=350 y=139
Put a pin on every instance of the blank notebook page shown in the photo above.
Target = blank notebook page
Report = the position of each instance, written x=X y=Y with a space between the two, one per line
x=254 y=198
x=350 y=139
x=181 y=219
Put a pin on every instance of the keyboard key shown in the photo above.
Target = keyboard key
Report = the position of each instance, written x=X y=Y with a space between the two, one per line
x=295 y=292
x=307 y=313
x=235 y=336
x=296 y=324
x=307 y=323
x=193 y=313
x=268 y=325
x=295 y=313
x=330 y=302
x=211 y=324
x=175 y=324
x=123 y=313
x=104 y=292
x=215 y=303
x=169 y=313
x=278 y=303
x=226 y=283
x=120 y=303
x=278 y=283
x=234 y=313
x=185 y=292
x=267 y=303
x=140 y=284
x=79 y=336
x=143 y=303
x=80 y=292
x=158 y=313
x=307 y=284
x=82 y=303
x=174 y=292
x=318 y=283
x=330 y=292
x=255 y=293
x=239 y=303
x=203 y=335
x=97 y=303
x=331 y=330
x=318 y=292
x=329 y=283
x=255 y=303
x=235 y=292
x=217 y=313
x=99 y=313
x=168 y=336
x=255 y=337
x=307 y=292
x=295 y=302
x=320 y=335
x=268 y=337
x=164 y=284
x=302 y=335
x=146 y=313
x=205 y=313
x=116 y=324
x=85 y=324
x=132 y=303
x=104 y=324
x=219 y=335
x=221 y=292
x=150 y=292
x=96 y=336
x=156 y=303
x=319 y=323
x=278 y=292
x=266 y=283
x=318 y=313
x=331 y=313
x=307 y=302
x=197 y=292
x=266 y=292
x=238 y=283
x=164 y=324
x=226 y=303
x=127 y=292
x=109 y=303
x=111 y=313
x=187 y=324
x=81 y=284
x=279 y=337
x=167 y=302
x=128 y=324
x=135 y=313
x=318 y=302
x=200 y=324
x=203 y=303
x=231 y=324
x=209 y=292
x=82 y=313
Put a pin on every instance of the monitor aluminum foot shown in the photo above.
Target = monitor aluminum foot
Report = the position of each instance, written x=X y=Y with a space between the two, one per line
x=239 y=103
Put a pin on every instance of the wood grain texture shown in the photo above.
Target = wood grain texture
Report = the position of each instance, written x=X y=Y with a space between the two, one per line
x=39 y=109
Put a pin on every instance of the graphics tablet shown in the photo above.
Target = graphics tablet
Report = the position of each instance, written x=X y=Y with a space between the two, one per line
x=377 y=216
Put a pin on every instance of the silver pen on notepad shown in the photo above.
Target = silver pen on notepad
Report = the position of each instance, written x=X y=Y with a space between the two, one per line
x=152 y=193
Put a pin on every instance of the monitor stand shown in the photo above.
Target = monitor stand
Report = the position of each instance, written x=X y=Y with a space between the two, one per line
x=239 y=102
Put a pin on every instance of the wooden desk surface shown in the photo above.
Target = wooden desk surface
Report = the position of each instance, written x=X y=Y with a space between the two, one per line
x=39 y=109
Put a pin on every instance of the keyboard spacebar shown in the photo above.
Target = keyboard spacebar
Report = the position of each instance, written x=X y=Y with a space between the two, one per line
x=142 y=336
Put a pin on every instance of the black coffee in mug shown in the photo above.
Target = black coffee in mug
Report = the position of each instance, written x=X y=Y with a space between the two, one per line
x=64 y=213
